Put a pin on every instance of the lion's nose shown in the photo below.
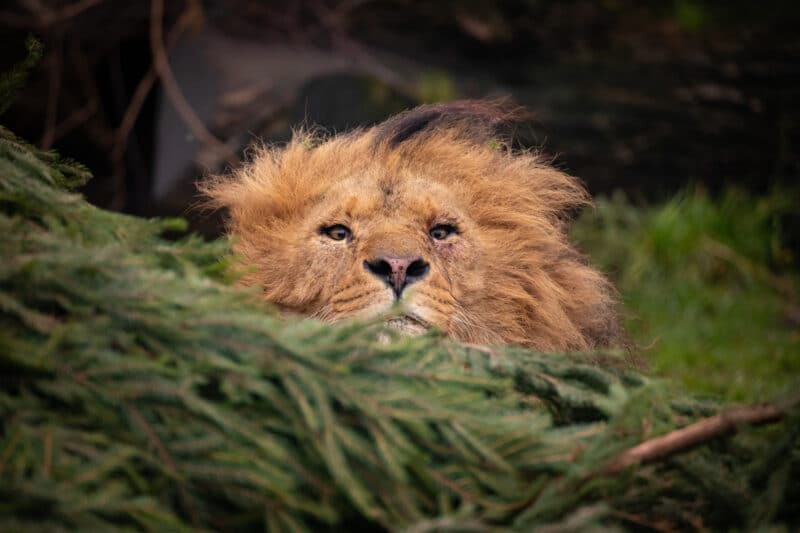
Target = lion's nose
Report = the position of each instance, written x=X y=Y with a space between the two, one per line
x=398 y=272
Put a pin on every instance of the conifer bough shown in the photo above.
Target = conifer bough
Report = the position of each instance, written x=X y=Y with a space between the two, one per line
x=141 y=391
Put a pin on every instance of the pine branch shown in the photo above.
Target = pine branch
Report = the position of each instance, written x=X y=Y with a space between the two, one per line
x=141 y=391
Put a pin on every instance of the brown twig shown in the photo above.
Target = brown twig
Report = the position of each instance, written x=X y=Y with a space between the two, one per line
x=173 y=90
x=47 y=452
x=461 y=491
x=53 y=92
x=165 y=456
x=448 y=523
x=154 y=439
x=335 y=20
x=98 y=130
x=129 y=118
x=77 y=8
x=15 y=20
x=693 y=435
x=45 y=16
x=11 y=444
x=642 y=520
x=75 y=119
x=143 y=89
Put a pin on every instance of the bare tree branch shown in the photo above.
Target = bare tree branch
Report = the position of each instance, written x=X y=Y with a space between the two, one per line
x=693 y=435
x=53 y=93
x=44 y=15
x=143 y=89
x=77 y=8
x=74 y=120
x=173 y=90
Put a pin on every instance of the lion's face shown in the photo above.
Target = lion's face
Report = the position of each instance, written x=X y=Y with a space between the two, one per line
x=375 y=241
x=432 y=222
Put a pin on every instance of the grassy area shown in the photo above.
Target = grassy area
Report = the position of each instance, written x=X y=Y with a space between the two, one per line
x=710 y=291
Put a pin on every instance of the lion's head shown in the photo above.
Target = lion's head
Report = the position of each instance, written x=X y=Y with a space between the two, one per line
x=426 y=210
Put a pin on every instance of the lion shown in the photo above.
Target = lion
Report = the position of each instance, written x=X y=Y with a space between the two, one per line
x=431 y=214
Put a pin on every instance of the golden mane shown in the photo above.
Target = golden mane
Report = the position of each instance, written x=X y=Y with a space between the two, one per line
x=346 y=226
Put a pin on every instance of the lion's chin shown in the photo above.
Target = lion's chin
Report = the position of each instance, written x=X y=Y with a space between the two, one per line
x=408 y=324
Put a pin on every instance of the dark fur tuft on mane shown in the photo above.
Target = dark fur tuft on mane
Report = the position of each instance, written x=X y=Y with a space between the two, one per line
x=479 y=120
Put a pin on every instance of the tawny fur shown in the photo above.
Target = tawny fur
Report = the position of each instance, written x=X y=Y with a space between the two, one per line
x=508 y=276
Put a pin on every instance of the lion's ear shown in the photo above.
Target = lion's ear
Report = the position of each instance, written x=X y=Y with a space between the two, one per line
x=477 y=120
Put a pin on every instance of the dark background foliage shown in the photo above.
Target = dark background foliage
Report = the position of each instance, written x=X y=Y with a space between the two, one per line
x=645 y=96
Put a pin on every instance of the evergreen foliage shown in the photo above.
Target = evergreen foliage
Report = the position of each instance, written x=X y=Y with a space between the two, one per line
x=13 y=80
x=142 y=391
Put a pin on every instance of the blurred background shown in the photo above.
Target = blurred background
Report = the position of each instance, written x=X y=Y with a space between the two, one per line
x=681 y=116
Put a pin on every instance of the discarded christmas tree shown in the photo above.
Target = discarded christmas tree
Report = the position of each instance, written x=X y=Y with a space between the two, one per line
x=141 y=390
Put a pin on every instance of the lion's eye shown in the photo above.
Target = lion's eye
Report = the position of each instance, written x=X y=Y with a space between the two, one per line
x=442 y=231
x=337 y=232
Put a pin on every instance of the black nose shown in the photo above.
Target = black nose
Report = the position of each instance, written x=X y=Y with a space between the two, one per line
x=398 y=272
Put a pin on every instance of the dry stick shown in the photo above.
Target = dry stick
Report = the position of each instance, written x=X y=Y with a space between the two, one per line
x=173 y=90
x=165 y=456
x=44 y=16
x=121 y=135
x=448 y=523
x=15 y=20
x=693 y=435
x=47 y=452
x=143 y=89
x=131 y=114
x=77 y=8
x=80 y=116
x=99 y=130
x=48 y=136
x=332 y=19
x=75 y=119
x=54 y=131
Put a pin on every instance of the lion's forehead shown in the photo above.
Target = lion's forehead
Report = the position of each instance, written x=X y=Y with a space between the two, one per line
x=413 y=199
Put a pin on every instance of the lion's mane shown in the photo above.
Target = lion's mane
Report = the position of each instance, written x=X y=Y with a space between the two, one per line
x=509 y=275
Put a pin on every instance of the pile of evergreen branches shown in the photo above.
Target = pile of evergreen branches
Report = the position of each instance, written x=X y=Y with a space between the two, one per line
x=141 y=391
